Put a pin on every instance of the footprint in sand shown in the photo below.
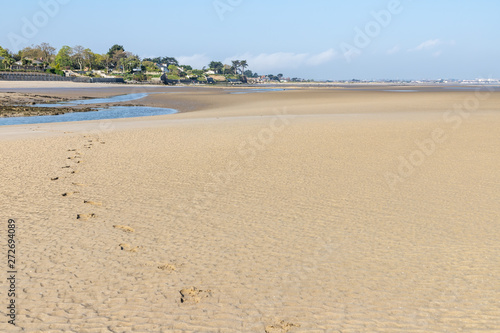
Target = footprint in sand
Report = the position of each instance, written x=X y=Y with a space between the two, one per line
x=123 y=228
x=281 y=327
x=193 y=295
x=85 y=217
x=69 y=194
x=167 y=267
x=93 y=203
x=129 y=248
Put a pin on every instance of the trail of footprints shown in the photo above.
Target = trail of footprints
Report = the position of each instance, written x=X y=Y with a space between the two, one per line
x=73 y=161
x=188 y=295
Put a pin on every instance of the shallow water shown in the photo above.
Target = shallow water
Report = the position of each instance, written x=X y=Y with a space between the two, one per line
x=250 y=91
x=401 y=90
x=114 y=99
x=109 y=113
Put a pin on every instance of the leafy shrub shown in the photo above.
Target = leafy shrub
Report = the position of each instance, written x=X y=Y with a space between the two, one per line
x=140 y=77
x=55 y=71
x=173 y=77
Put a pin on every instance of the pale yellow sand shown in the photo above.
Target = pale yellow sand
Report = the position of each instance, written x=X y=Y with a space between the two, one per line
x=287 y=211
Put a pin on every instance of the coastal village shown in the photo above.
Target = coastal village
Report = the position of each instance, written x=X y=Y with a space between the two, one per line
x=117 y=65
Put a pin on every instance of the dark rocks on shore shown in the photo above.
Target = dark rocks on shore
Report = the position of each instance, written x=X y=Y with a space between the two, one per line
x=29 y=111
x=22 y=105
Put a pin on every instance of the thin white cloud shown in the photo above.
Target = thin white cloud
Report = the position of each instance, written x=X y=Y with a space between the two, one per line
x=283 y=60
x=321 y=58
x=196 y=60
x=428 y=44
x=437 y=53
x=393 y=50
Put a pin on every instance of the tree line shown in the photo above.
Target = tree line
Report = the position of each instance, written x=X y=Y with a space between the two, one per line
x=117 y=59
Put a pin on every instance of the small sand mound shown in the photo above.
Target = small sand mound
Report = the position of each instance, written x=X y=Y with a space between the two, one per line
x=123 y=228
x=281 y=327
x=194 y=295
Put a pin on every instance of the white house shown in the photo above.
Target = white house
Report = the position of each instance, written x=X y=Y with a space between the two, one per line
x=162 y=67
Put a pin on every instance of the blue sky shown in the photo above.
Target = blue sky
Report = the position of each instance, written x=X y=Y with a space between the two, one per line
x=319 y=39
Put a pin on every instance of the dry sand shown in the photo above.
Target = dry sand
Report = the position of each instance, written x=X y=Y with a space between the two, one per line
x=314 y=210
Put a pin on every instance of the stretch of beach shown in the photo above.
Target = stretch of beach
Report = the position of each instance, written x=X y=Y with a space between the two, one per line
x=313 y=209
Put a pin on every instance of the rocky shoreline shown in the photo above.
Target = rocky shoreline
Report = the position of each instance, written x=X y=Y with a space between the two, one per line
x=22 y=105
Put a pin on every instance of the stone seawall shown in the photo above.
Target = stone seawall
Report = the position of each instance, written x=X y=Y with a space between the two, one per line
x=10 y=76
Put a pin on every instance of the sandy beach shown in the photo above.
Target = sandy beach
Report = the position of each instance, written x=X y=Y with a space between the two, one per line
x=303 y=210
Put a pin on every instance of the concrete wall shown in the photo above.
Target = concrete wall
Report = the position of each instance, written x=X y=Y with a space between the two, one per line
x=12 y=76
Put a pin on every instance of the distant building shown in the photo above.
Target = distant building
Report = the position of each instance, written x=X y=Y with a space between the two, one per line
x=162 y=67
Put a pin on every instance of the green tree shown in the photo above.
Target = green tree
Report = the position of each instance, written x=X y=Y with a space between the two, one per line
x=216 y=66
x=119 y=59
x=150 y=66
x=78 y=56
x=106 y=60
x=249 y=73
x=4 y=52
x=63 y=57
x=89 y=58
x=197 y=72
x=236 y=65
x=8 y=59
x=243 y=65
x=173 y=69
x=31 y=52
x=170 y=61
x=47 y=52
x=98 y=62
x=131 y=61
x=114 y=48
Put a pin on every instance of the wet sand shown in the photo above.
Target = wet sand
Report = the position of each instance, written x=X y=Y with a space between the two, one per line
x=308 y=210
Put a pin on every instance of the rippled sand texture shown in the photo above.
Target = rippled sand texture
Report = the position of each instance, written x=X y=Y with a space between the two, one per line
x=293 y=217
